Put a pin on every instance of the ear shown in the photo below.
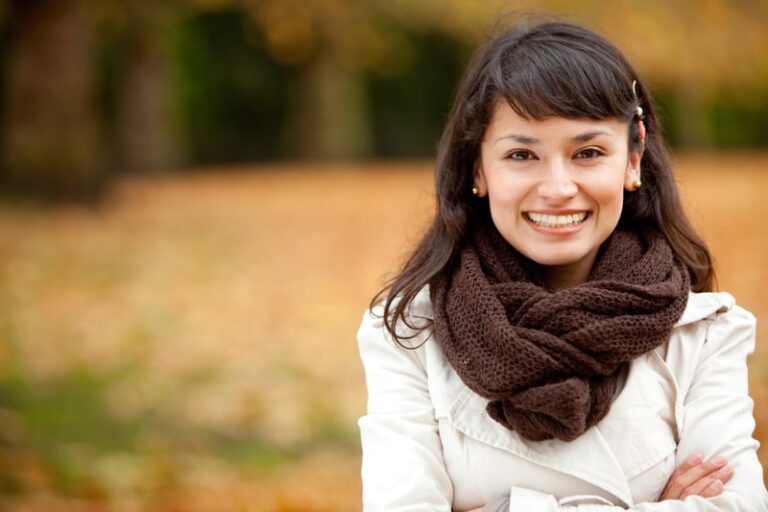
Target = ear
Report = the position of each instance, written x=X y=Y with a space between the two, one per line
x=632 y=175
x=478 y=178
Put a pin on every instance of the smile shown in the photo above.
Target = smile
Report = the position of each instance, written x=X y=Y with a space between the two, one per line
x=556 y=221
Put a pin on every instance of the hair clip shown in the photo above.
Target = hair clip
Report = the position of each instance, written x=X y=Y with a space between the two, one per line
x=638 y=109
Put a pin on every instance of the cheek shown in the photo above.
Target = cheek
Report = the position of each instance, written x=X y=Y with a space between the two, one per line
x=506 y=190
x=505 y=204
x=505 y=200
x=610 y=193
x=609 y=197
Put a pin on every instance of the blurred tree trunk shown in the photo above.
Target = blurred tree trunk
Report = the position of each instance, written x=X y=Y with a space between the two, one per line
x=329 y=116
x=50 y=138
x=693 y=128
x=146 y=133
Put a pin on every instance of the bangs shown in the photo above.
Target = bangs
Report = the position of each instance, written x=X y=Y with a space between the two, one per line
x=546 y=77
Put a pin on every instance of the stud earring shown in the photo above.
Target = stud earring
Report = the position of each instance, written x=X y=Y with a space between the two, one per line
x=475 y=191
x=638 y=184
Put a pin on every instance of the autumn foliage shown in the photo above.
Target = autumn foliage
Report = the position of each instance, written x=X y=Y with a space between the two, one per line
x=191 y=345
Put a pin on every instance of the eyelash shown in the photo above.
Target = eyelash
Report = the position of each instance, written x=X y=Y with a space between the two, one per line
x=527 y=155
x=512 y=155
x=595 y=153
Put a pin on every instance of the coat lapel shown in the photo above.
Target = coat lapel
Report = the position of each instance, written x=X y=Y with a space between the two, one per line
x=588 y=457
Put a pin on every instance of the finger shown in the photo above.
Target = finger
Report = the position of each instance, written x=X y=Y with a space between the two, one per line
x=710 y=488
x=724 y=476
x=688 y=478
x=698 y=487
x=689 y=463
x=711 y=485
x=714 y=489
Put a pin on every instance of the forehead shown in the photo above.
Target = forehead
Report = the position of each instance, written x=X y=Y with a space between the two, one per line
x=504 y=120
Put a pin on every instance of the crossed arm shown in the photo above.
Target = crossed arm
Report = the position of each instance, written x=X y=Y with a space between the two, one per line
x=694 y=477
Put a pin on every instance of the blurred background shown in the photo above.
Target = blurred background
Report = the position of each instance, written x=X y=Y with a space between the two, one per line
x=199 y=197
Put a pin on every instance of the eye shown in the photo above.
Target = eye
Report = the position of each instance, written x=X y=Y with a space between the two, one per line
x=589 y=153
x=520 y=154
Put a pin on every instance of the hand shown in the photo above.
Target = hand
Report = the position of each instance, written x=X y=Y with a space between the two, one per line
x=696 y=477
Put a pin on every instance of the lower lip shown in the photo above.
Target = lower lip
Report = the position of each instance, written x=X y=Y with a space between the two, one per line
x=561 y=231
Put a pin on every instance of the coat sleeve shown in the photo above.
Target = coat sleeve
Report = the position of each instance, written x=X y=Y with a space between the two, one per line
x=403 y=468
x=718 y=420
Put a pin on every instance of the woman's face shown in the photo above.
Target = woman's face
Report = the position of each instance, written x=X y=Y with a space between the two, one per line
x=555 y=187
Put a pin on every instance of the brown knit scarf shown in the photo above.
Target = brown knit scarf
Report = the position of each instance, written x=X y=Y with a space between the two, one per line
x=548 y=360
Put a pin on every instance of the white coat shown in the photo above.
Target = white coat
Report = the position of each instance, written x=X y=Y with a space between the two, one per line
x=429 y=445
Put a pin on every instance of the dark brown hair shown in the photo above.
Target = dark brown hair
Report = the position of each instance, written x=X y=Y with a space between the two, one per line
x=542 y=70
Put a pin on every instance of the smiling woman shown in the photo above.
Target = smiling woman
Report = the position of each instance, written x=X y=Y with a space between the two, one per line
x=553 y=342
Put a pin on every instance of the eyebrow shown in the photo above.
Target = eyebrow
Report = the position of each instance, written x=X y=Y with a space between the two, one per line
x=524 y=139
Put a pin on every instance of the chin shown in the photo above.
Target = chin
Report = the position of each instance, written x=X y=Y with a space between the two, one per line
x=556 y=260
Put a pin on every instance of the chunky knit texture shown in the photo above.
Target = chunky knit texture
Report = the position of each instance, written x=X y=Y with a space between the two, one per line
x=549 y=360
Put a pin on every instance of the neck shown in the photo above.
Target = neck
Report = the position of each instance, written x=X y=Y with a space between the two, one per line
x=559 y=277
x=561 y=280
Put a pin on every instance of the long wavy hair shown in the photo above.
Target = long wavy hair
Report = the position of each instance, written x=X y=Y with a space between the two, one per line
x=546 y=69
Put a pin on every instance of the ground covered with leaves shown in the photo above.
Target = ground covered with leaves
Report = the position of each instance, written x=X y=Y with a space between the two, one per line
x=190 y=344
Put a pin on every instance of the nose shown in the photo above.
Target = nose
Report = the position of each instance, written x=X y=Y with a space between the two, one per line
x=557 y=184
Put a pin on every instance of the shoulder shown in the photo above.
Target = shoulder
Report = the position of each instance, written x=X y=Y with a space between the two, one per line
x=715 y=311
x=714 y=307
x=374 y=339
x=713 y=330
x=418 y=314
x=421 y=305
x=731 y=331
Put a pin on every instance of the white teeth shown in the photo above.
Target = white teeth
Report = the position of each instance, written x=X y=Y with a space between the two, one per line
x=556 y=220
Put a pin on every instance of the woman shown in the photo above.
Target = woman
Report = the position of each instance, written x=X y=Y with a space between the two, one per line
x=552 y=342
